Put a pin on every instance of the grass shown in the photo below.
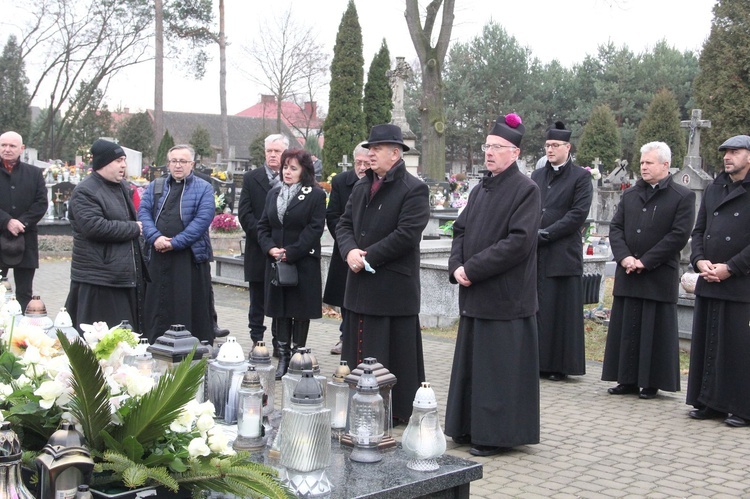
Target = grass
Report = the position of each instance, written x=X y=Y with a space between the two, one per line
x=595 y=332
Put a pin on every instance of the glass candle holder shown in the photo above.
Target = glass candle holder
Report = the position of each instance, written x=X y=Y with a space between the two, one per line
x=423 y=440
x=366 y=417
x=250 y=433
x=337 y=398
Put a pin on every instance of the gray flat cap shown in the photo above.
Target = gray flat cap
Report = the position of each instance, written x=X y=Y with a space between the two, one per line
x=736 y=142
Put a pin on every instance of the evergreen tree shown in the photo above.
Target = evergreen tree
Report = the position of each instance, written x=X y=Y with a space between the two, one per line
x=722 y=88
x=14 y=112
x=661 y=122
x=167 y=143
x=201 y=142
x=378 y=103
x=345 y=124
x=600 y=139
x=137 y=133
x=258 y=149
x=313 y=146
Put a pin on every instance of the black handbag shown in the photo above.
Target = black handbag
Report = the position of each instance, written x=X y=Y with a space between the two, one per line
x=284 y=274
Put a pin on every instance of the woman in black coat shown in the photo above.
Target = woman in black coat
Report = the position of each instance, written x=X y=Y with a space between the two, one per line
x=290 y=230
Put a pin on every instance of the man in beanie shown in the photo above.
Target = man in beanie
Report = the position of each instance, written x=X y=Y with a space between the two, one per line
x=566 y=192
x=106 y=271
x=719 y=380
x=23 y=202
x=176 y=212
x=378 y=235
x=493 y=398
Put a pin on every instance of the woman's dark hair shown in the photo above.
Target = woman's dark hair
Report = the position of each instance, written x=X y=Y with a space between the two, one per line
x=305 y=161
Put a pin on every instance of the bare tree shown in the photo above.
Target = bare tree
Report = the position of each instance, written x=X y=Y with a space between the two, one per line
x=289 y=58
x=158 y=72
x=223 y=83
x=431 y=58
x=79 y=47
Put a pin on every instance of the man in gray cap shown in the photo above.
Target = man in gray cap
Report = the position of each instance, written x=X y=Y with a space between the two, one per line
x=719 y=381
x=493 y=398
x=566 y=192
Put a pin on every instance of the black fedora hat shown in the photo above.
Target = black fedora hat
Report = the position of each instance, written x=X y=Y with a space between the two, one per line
x=12 y=248
x=385 y=134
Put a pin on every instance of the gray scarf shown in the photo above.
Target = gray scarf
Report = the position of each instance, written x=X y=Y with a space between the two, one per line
x=286 y=194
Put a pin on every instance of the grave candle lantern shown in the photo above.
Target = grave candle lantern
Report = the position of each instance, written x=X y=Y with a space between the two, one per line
x=337 y=398
x=423 y=439
x=366 y=419
x=250 y=434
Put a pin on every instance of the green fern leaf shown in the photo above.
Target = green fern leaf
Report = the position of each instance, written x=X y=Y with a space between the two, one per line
x=90 y=402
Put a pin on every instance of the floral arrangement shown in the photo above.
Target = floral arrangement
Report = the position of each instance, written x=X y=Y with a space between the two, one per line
x=141 y=431
x=326 y=186
x=225 y=222
x=595 y=173
x=459 y=191
x=220 y=175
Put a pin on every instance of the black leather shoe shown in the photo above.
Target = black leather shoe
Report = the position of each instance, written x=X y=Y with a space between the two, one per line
x=487 y=450
x=736 y=421
x=557 y=376
x=220 y=332
x=706 y=413
x=623 y=390
x=648 y=393
x=462 y=439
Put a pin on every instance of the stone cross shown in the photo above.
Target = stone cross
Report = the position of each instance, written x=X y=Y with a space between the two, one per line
x=597 y=163
x=344 y=165
x=693 y=157
x=396 y=78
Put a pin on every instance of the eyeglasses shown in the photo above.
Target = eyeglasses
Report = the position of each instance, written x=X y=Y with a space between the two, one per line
x=361 y=163
x=181 y=162
x=495 y=147
x=554 y=146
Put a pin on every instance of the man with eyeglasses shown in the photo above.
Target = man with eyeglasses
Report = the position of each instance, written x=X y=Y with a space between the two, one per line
x=175 y=226
x=341 y=189
x=566 y=192
x=255 y=186
x=493 y=398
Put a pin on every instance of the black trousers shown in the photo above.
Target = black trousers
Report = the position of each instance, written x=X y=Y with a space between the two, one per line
x=24 y=279
x=256 y=313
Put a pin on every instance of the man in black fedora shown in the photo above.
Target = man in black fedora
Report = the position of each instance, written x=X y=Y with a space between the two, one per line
x=378 y=235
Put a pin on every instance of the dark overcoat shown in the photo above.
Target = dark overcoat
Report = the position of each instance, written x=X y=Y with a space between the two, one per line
x=255 y=187
x=722 y=235
x=653 y=230
x=566 y=198
x=23 y=196
x=495 y=239
x=299 y=235
x=389 y=228
x=341 y=189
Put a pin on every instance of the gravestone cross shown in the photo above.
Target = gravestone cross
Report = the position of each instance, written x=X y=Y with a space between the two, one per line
x=693 y=157
x=344 y=165
x=597 y=163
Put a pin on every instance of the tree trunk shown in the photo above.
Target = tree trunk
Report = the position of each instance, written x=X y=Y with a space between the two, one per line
x=158 y=73
x=223 y=84
x=432 y=113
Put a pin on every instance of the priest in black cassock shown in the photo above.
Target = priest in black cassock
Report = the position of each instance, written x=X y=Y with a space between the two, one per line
x=650 y=227
x=493 y=398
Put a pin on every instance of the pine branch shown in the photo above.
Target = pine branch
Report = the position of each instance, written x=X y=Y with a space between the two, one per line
x=90 y=401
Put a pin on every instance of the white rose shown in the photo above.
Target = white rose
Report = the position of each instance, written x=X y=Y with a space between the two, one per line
x=49 y=391
x=198 y=447
x=205 y=422
x=5 y=391
x=184 y=422
x=217 y=440
x=205 y=408
x=22 y=380
x=31 y=356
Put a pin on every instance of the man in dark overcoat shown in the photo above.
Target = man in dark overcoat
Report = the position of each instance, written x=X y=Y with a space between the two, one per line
x=566 y=192
x=23 y=202
x=341 y=189
x=651 y=226
x=493 y=398
x=719 y=380
x=255 y=186
x=378 y=236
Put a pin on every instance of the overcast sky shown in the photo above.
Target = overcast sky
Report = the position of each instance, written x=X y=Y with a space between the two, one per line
x=565 y=31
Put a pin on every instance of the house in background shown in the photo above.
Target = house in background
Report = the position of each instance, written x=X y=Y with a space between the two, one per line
x=303 y=121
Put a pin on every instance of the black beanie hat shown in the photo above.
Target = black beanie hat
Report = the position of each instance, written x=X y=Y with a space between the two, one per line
x=558 y=132
x=104 y=152
x=510 y=128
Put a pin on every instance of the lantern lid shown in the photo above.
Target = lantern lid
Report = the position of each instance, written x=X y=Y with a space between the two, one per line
x=62 y=319
x=12 y=307
x=175 y=344
x=342 y=371
x=301 y=361
x=260 y=354
x=314 y=360
x=65 y=441
x=425 y=397
x=231 y=351
x=10 y=445
x=307 y=391
x=383 y=375
x=367 y=382
x=36 y=307
x=251 y=378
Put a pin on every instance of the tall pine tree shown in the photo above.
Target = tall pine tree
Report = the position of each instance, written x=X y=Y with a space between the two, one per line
x=722 y=88
x=14 y=111
x=167 y=143
x=600 y=139
x=661 y=122
x=378 y=102
x=345 y=125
